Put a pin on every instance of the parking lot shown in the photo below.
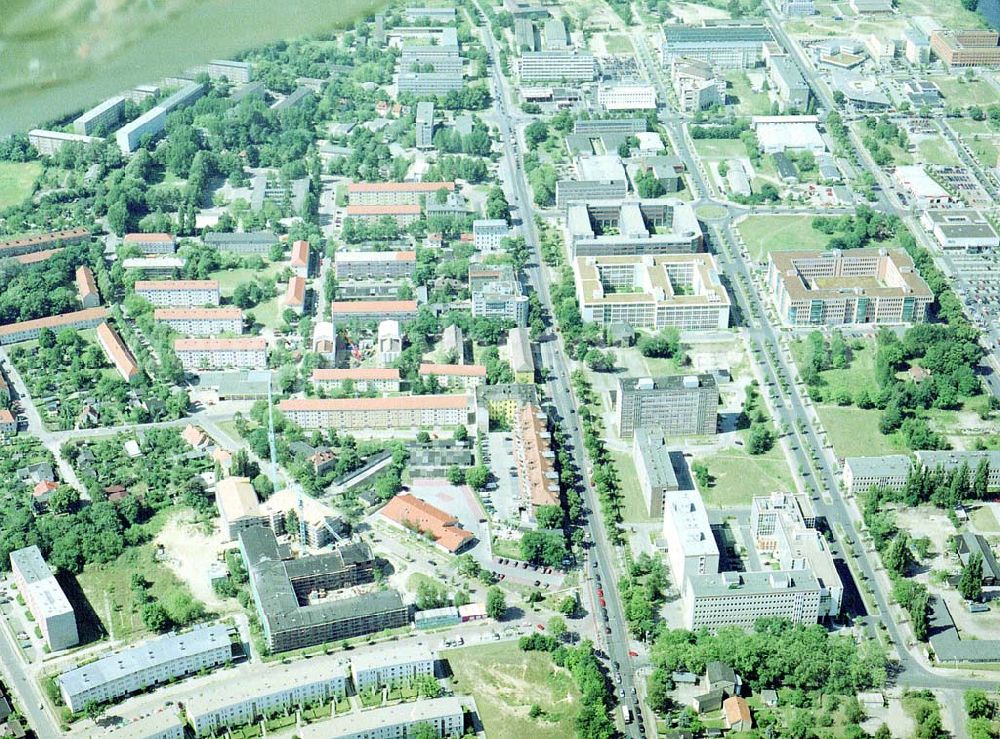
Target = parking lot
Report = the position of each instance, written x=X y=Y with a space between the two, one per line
x=460 y=502
x=505 y=499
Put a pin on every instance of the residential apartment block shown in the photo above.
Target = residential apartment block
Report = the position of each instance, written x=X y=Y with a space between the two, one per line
x=389 y=342
x=300 y=258
x=151 y=243
x=496 y=293
x=253 y=242
x=202 y=321
x=403 y=215
x=243 y=353
x=423 y=126
x=117 y=352
x=654 y=468
x=374 y=265
x=673 y=404
x=33 y=243
x=405 y=412
x=12 y=333
x=281 y=589
x=835 y=287
x=363 y=311
x=86 y=288
x=394 y=193
x=48 y=143
x=534 y=458
x=44 y=597
x=179 y=293
x=153 y=121
x=488 y=235
x=522 y=361
x=295 y=294
x=597 y=178
x=555 y=65
x=363 y=379
x=154 y=662
x=652 y=292
x=105 y=115
x=445 y=717
x=632 y=227
x=464 y=376
x=398 y=667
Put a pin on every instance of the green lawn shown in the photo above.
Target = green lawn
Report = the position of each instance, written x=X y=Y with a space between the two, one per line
x=738 y=476
x=618 y=44
x=860 y=373
x=854 y=432
x=979 y=137
x=506 y=682
x=764 y=234
x=949 y=13
x=985 y=520
x=746 y=100
x=937 y=151
x=230 y=278
x=963 y=93
x=720 y=148
x=635 y=506
x=16 y=181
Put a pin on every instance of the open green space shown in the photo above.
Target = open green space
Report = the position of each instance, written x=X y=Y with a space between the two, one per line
x=737 y=476
x=979 y=137
x=747 y=101
x=230 y=278
x=764 y=234
x=618 y=44
x=854 y=431
x=963 y=93
x=720 y=148
x=16 y=181
x=949 y=13
x=108 y=587
x=506 y=682
x=634 y=510
x=937 y=151
x=860 y=373
x=985 y=520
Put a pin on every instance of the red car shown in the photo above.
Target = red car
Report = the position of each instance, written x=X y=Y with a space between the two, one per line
x=632 y=654
x=600 y=593
x=603 y=604
x=541 y=627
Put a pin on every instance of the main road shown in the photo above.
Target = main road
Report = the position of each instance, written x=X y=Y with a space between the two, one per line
x=602 y=553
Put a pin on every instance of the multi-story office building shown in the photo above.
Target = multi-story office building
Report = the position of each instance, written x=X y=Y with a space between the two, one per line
x=445 y=717
x=429 y=83
x=488 y=234
x=696 y=84
x=362 y=379
x=267 y=690
x=86 y=288
x=673 y=404
x=48 y=143
x=281 y=590
x=496 y=293
x=863 y=473
x=715 y=600
x=557 y=65
x=45 y=599
x=202 y=321
x=788 y=82
x=252 y=242
x=151 y=243
x=105 y=116
x=723 y=44
x=464 y=376
x=597 y=178
x=42 y=242
x=423 y=125
x=961 y=230
x=953 y=460
x=405 y=412
x=522 y=361
x=652 y=292
x=691 y=546
x=917 y=49
x=603 y=126
x=632 y=227
x=441 y=55
x=398 y=667
x=117 y=353
x=243 y=353
x=654 y=468
x=968 y=48
x=403 y=215
x=878 y=286
x=145 y=665
x=12 y=333
x=394 y=193
x=625 y=96
x=179 y=293
x=374 y=265
x=363 y=311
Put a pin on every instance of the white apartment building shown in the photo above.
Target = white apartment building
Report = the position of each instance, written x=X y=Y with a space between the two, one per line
x=246 y=353
x=488 y=234
x=445 y=716
x=267 y=690
x=44 y=598
x=626 y=97
x=150 y=663
x=465 y=376
x=394 y=193
x=379 y=379
x=202 y=321
x=48 y=143
x=151 y=243
x=384 y=668
x=374 y=265
x=179 y=293
x=404 y=412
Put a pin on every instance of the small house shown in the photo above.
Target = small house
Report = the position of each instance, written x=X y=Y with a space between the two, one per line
x=710 y=701
x=737 y=715
x=720 y=676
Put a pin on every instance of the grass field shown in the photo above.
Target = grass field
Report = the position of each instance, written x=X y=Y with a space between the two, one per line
x=16 y=181
x=618 y=44
x=720 y=148
x=854 y=431
x=937 y=151
x=108 y=587
x=506 y=682
x=979 y=137
x=747 y=101
x=230 y=278
x=963 y=93
x=949 y=13
x=635 y=507
x=985 y=520
x=738 y=476
x=860 y=373
x=764 y=234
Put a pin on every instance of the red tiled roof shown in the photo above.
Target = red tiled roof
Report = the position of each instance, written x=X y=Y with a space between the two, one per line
x=245 y=344
x=360 y=373
x=154 y=238
x=296 y=292
x=403 y=402
x=399 y=186
x=454 y=370
x=22 y=241
x=408 y=510
x=300 y=254
x=55 y=322
x=85 y=282
x=38 y=256
x=117 y=352
x=373 y=306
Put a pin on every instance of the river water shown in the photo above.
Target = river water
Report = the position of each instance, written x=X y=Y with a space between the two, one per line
x=55 y=61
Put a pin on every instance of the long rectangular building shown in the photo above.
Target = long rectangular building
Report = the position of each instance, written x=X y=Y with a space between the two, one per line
x=202 y=321
x=384 y=668
x=379 y=379
x=372 y=265
x=44 y=597
x=251 y=242
x=652 y=292
x=12 y=333
x=394 y=193
x=373 y=310
x=48 y=143
x=154 y=662
x=151 y=243
x=597 y=178
x=726 y=45
x=537 y=478
x=179 y=293
x=403 y=215
x=465 y=376
x=674 y=404
x=715 y=600
x=242 y=353
x=861 y=474
x=444 y=716
x=104 y=115
x=654 y=469
x=632 y=227
x=879 y=286
x=569 y=65
x=406 y=412
x=42 y=242
x=117 y=353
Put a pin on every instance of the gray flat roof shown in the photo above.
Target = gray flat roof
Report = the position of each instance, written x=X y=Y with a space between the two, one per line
x=30 y=564
x=401 y=654
x=607 y=167
x=371 y=721
x=951 y=459
x=891 y=464
x=745 y=583
x=654 y=456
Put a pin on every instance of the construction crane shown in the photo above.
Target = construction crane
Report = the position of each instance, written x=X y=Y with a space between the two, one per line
x=274 y=462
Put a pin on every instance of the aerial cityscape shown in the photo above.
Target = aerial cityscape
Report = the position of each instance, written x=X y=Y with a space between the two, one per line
x=547 y=368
